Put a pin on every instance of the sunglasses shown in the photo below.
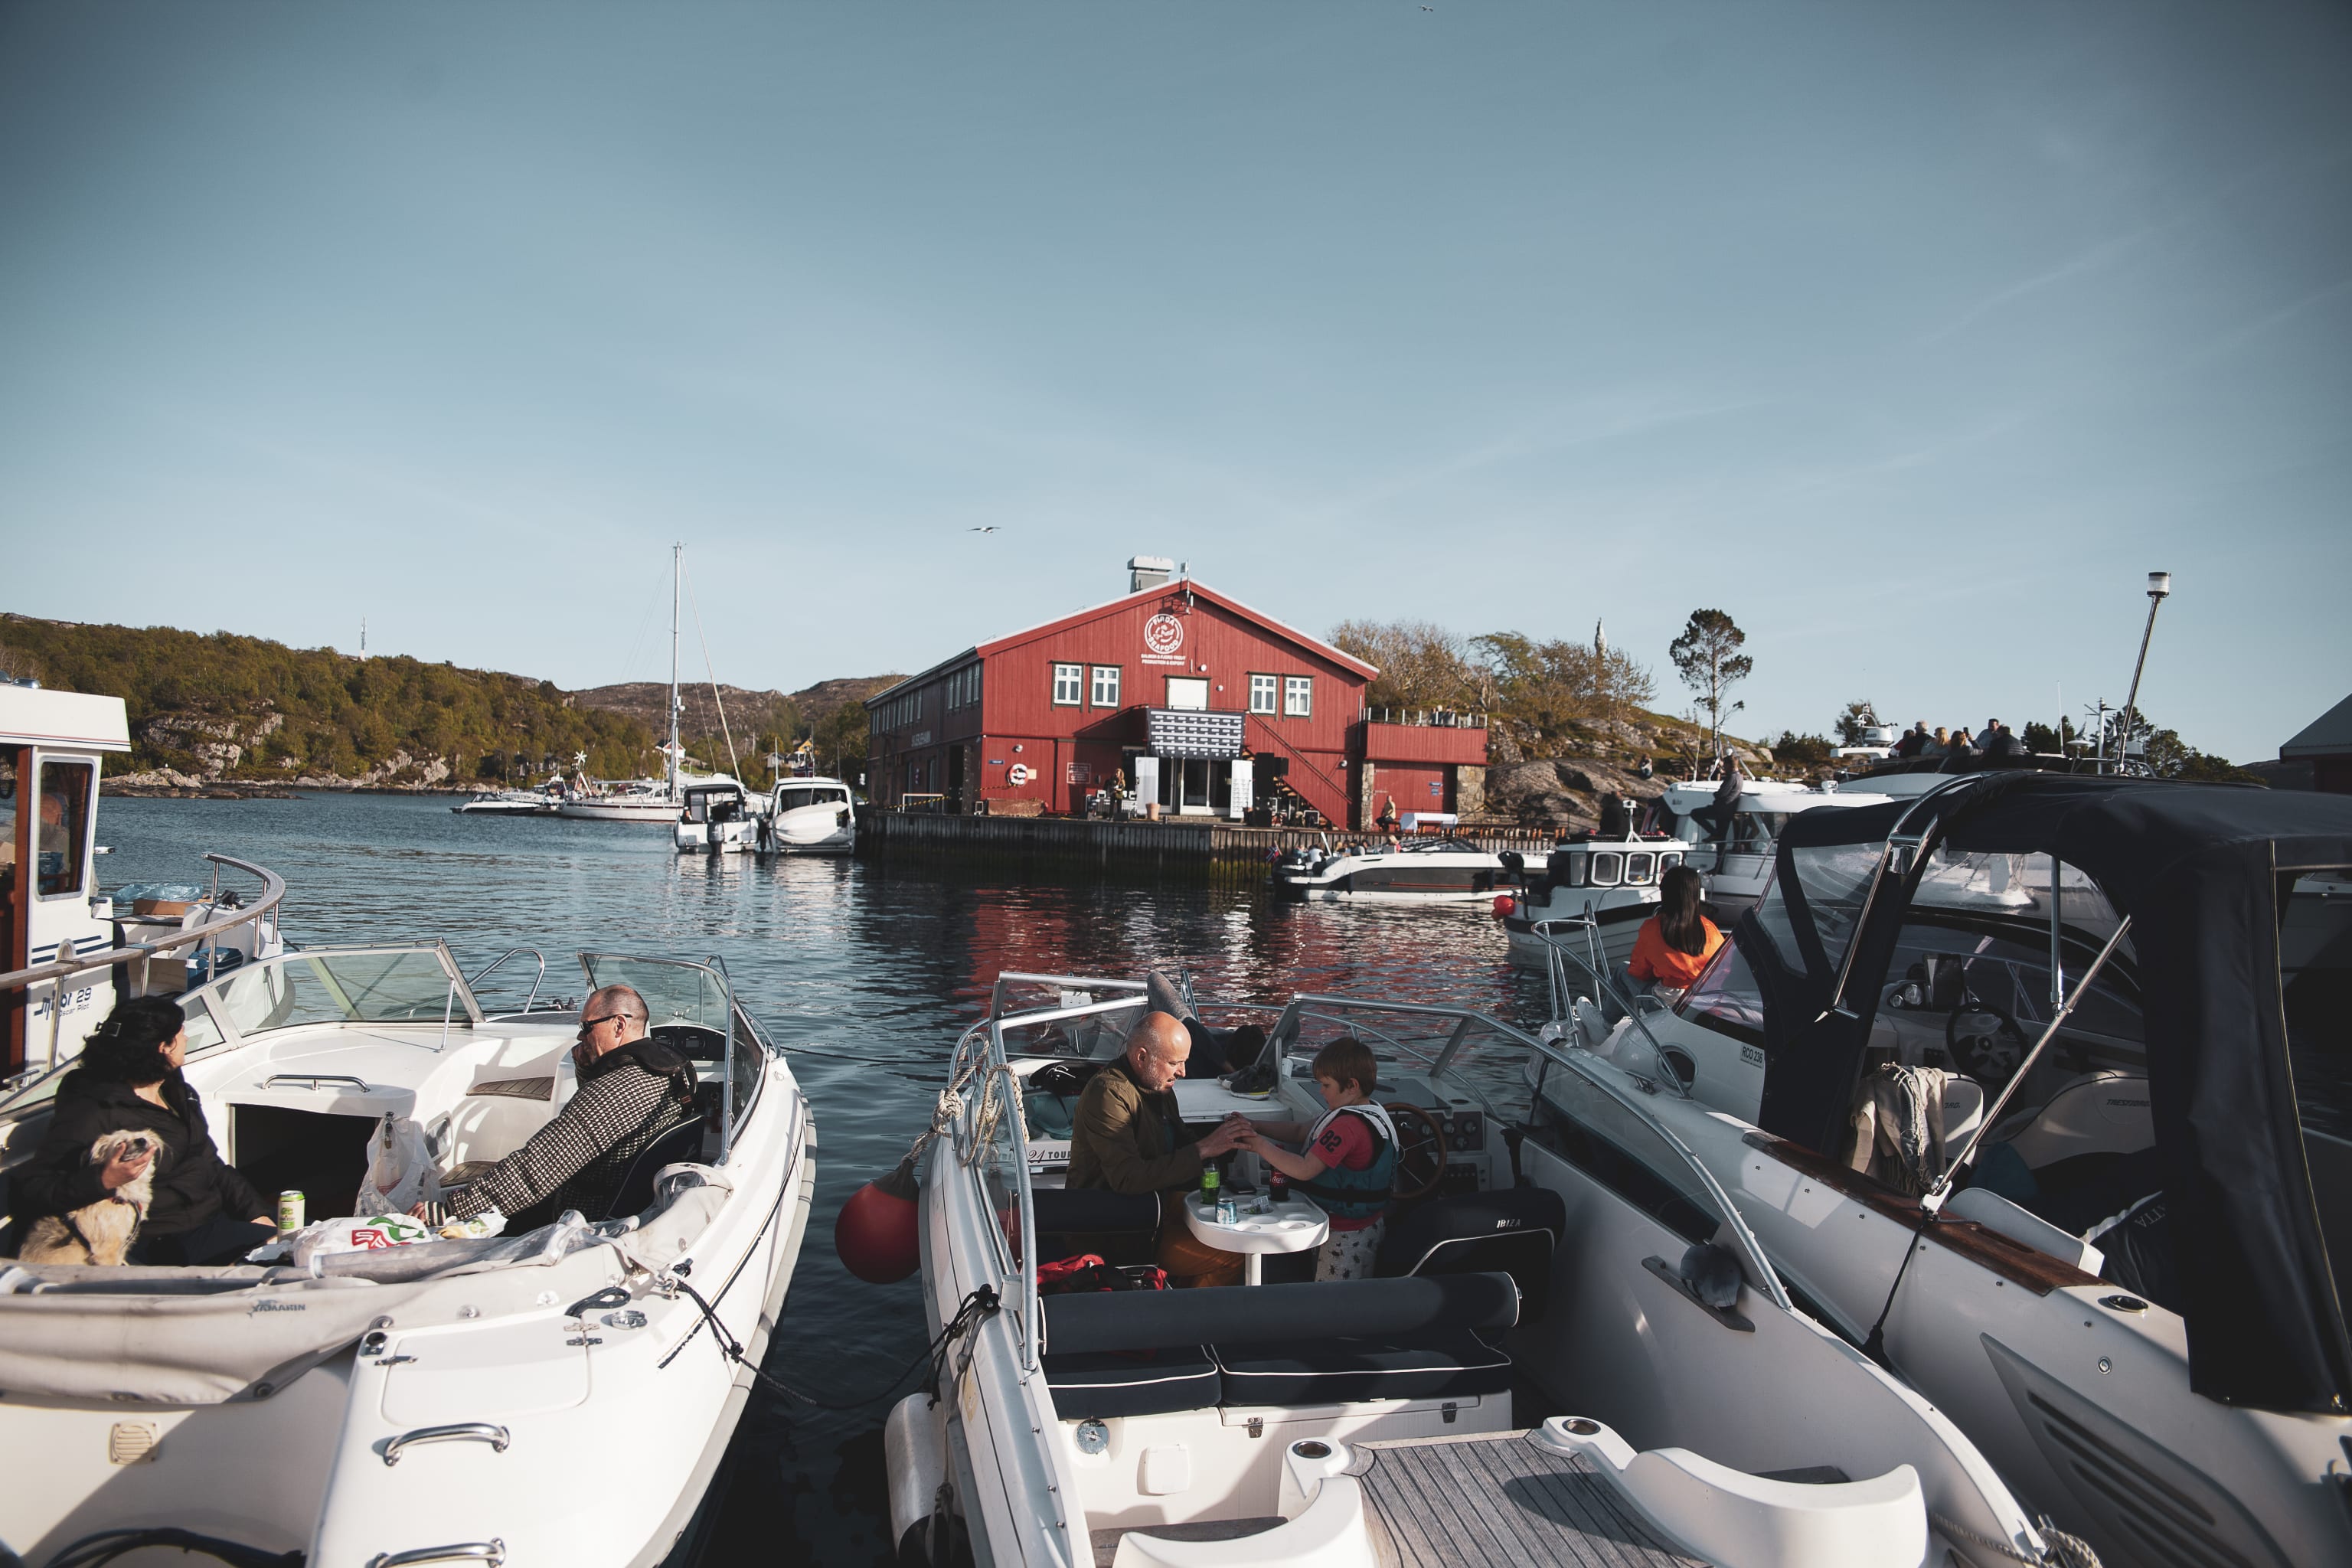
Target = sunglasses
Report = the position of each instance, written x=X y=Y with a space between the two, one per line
x=588 y=1023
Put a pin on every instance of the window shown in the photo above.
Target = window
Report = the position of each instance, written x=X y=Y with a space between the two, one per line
x=1297 y=696
x=58 y=850
x=963 y=687
x=1106 y=689
x=1066 y=679
x=1727 y=998
x=1262 y=693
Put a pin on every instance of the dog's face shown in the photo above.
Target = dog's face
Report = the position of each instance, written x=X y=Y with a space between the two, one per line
x=125 y=1146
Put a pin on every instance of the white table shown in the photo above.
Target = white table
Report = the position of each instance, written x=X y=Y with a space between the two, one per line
x=1292 y=1225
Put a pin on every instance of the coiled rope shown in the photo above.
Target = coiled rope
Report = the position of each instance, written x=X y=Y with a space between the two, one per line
x=2064 y=1550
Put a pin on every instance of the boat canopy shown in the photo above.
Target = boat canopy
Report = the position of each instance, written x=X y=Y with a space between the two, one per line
x=2207 y=874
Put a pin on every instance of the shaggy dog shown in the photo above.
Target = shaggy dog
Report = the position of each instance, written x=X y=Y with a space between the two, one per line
x=102 y=1232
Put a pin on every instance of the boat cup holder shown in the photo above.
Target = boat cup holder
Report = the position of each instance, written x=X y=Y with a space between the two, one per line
x=2122 y=1303
x=1581 y=1427
x=1308 y=1448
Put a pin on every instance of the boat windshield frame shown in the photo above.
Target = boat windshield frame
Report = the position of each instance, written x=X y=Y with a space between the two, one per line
x=737 y=1020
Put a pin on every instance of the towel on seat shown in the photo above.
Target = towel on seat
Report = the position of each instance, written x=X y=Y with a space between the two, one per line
x=1898 y=1127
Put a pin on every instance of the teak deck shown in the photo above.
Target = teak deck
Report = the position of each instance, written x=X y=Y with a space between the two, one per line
x=1451 y=1502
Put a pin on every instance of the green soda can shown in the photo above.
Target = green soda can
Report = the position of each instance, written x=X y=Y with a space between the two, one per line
x=290 y=1204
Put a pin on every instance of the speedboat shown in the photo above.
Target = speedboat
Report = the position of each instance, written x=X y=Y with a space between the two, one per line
x=445 y=1401
x=2115 y=1008
x=1575 y=1352
x=717 y=819
x=1433 y=870
x=809 y=815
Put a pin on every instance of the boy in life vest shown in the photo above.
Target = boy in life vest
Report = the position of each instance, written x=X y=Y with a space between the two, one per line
x=1347 y=1166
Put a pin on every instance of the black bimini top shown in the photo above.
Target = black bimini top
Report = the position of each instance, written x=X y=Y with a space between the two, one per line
x=2205 y=872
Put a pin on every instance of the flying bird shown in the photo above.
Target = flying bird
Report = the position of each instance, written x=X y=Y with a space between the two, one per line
x=989 y=528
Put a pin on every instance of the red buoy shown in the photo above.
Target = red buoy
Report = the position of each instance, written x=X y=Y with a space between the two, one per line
x=1503 y=903
x=875 y=1232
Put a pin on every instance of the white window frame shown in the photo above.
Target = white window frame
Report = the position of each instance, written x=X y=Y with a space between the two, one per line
x=1272 y=686
x=1298 y=696
x=1103 y=678
x=1074 y=675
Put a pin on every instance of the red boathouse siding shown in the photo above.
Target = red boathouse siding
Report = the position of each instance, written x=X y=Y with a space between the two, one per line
x=1049 y=714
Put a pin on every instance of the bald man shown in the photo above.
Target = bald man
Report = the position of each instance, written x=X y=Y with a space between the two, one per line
x=1127 y=1136
x=632 y=1089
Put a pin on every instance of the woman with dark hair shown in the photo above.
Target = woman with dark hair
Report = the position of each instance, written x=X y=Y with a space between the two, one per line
x=129 y=1080
x=1672 y=947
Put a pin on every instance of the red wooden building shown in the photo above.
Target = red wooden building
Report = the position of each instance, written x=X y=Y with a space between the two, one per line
x=1190 y=698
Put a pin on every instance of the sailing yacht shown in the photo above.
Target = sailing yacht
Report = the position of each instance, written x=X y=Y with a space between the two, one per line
x=648 y=800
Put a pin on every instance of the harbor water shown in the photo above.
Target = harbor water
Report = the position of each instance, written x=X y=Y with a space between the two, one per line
x=867 y=970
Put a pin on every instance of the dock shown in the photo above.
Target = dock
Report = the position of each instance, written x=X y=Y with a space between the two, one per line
x=1201 y=849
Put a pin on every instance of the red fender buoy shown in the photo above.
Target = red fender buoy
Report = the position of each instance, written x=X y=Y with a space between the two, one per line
x=1503 y=903
x=875 y=1233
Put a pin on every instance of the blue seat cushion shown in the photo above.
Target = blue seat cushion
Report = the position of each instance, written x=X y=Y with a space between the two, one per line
x=1097 y=1386
x=1446 y=1364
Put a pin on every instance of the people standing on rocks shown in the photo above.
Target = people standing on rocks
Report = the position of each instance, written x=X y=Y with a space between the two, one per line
x=1645 y=770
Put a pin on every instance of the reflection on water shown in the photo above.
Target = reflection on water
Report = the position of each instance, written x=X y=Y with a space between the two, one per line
x=884 y=964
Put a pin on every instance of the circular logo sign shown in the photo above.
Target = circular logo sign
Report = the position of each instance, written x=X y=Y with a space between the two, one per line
x=1018 y=773
x=1163 y=634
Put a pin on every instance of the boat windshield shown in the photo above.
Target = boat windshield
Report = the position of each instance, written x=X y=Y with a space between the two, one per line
x=2316 y=976
x=675 y=993
x=353 y=985
x=1483 y=1052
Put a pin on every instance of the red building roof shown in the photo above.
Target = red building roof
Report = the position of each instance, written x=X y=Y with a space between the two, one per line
x=1314 y=646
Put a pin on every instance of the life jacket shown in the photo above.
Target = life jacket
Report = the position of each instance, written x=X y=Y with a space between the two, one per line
x=1356 y=1194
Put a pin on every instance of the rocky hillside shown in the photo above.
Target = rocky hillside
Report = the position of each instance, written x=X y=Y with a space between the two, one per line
x=1565 y=793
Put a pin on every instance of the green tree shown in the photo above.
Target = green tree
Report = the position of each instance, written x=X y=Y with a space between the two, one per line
x=1795 y=750
x=1709 y=658
x=1421 y=665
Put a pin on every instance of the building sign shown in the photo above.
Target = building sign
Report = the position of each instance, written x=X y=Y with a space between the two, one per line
x=1181 y=732
x=922 y=738
x=1082 y=772
x=1163 y=639
x=1018 y=773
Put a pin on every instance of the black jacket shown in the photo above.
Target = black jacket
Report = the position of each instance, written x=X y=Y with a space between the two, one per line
x=193 y=1184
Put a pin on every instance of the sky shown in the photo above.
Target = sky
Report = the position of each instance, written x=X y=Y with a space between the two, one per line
x=1911 y=336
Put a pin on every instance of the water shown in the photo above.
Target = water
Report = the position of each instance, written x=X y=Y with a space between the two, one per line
x=885 y=964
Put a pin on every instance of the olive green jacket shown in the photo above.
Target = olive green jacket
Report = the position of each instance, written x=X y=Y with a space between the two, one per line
x=1128 y=1139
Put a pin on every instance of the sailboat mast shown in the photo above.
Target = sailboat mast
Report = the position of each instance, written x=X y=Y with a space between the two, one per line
x=677 y=570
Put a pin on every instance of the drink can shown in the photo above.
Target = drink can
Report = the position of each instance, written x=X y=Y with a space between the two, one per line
x=290 y=1204
x=1226 y=1214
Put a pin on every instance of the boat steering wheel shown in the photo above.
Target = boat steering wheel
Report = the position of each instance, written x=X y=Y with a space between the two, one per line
x=1983 y=1041
x=1422 y=1142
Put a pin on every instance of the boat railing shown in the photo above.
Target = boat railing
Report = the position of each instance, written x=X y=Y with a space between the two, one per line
x=1426 y=718
x=202 y=937
x=474 y=981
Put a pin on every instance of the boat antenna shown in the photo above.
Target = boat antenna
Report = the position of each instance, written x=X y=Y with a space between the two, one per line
x=734 y=767
x=676 y=574
x=2159 y=588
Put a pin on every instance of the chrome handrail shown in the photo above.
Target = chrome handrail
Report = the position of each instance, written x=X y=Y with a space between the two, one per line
x=497 y=1437
x=273 y=892
x=492 y=1552
x=474 y=981
x=313 y=1079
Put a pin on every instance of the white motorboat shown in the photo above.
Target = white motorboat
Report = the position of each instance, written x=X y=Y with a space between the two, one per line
x=1609 y=883
x=540 y=802
x=1734 y=867
x=810 y=815
x=717 y=820
x=439 y=1401
x=1598 y=1366
x=1415 y=871
x=2133 y=1306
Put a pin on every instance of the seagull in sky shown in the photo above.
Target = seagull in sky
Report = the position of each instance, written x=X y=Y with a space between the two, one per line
x=989 y=528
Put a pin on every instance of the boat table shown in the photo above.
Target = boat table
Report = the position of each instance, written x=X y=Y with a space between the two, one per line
x=1294 y=1225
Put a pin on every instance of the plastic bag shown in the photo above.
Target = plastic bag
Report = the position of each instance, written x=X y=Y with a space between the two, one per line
x=400 y=1172
x=356 y=1233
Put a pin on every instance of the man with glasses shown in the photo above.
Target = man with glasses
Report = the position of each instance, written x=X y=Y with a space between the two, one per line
x=632 y=1089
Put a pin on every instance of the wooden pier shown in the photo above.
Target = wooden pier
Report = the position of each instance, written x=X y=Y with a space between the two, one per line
x=1198 y=848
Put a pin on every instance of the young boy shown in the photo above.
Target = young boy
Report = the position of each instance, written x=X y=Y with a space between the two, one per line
x=1348 y=1166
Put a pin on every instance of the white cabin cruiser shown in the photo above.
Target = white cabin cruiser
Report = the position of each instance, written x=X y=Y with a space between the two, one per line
x=1735 y=866
x=1611 y=882
x=1535 y=1377
x=717 y=820
x=2136 y=1305
x=540 y=802
x=1432 y=870
x=449 y=1400
x=810 y=815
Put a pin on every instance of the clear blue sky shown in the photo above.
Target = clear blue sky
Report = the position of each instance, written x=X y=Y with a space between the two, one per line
x=1911 y=335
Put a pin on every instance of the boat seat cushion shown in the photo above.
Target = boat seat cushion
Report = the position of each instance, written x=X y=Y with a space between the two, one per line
x=1097 y=1385
x=1455 y=1365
